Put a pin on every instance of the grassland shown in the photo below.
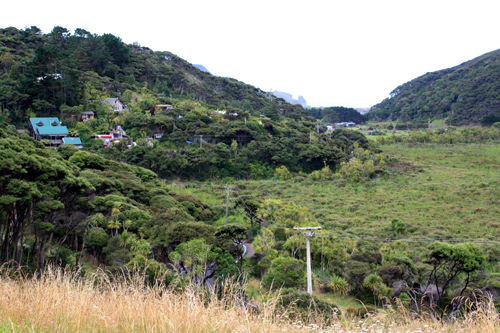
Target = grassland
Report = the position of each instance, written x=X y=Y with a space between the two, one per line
x=449 y=192
x=440 y=192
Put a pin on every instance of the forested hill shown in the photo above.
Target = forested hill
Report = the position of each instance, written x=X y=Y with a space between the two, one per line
x=42 y=72
x=463 y=94
x=181 y=122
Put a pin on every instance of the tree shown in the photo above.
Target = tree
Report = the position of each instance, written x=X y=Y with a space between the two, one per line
x=196 y=260
x=449 y=261
x=339 y=286
x=286 y=272
x=233 y=232
x=373 y=282
x=126 y=238
x=96 y=239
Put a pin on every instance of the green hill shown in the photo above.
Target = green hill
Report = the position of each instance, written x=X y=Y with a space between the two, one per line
x=42 y=72
x=184 y=123
x=463 y=94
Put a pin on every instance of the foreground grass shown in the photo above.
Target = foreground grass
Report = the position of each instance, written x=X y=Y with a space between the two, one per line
x=62 y=302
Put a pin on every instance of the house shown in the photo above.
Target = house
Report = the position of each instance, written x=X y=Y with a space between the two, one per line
x=47 y=129
x=114 y=105
x=329 y=127
x=115 y=135
x=164 y=107
x=75 y=142
x=345 y=124
x=86 y=115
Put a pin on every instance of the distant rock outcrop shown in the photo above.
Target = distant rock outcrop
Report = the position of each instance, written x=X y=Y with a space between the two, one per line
x=202 y=68
x=289 y=98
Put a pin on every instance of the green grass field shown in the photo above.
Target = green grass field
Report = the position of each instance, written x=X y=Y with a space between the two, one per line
x=440 y=192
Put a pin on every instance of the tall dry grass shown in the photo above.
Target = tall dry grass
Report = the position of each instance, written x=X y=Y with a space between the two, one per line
x=59 y=301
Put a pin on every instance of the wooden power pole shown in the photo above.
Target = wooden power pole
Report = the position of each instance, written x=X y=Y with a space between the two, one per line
x=308 y=233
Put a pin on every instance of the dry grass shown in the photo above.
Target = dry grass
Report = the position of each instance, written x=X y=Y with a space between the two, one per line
x=63 y=302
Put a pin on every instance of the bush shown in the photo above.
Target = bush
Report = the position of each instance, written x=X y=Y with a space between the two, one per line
x=286 y=272
x=299 y=304
x=359 y=312
x=282 y=173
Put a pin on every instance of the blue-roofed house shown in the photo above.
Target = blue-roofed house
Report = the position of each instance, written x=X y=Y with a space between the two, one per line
x=48 y=129
x=75 y=142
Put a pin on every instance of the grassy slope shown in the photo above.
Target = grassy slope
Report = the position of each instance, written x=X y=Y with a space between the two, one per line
x=438 y=191
x=453 y=186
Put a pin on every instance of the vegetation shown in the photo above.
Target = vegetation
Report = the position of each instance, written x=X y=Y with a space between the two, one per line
x=338 y=114
x=462 y=95
x=408 y=221
x=61 y=302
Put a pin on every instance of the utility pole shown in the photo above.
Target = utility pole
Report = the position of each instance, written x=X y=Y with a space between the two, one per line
x=228 y=188
x=308 y=233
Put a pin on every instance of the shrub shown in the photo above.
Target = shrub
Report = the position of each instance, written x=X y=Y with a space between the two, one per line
x=282 y=173
x=299 y=304
x=286 y=272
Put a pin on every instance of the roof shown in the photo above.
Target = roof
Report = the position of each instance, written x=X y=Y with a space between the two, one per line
x=110 y=100
x=48 y=126
x=72 y=141
x=88 y=112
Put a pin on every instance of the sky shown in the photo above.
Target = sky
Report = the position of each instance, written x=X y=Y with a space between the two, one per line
x=349 y=53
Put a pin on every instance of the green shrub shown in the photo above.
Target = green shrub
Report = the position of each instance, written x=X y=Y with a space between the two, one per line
x=300 y=305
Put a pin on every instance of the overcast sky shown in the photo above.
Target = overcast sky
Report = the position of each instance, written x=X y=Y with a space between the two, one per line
x=334 y=53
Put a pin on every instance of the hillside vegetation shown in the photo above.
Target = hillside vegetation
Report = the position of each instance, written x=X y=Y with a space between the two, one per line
x=213 y=127
x=408 y=221
x=463 y=94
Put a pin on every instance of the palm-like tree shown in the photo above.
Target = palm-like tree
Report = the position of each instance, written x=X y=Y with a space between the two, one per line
x=114 y=225
x=142 y=247
x=125 y=239
x=340 y=286
x=373 y=282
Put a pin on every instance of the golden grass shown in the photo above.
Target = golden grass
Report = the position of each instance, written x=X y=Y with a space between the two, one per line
x=64 y=302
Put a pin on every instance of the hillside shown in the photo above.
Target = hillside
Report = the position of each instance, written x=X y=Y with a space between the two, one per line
x=42 y=72
x=182 y=123
x=463 y=94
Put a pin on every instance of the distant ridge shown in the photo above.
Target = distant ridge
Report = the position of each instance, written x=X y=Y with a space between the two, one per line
x=289 y=98
x=202 y=68
x=462 y=95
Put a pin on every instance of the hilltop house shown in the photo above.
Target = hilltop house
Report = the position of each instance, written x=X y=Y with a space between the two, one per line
x=48 y=129
x=114 y=104
x=115 y=135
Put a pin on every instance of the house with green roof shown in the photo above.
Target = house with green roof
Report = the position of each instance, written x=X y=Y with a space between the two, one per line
x=48 y=129
x=75 y=142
